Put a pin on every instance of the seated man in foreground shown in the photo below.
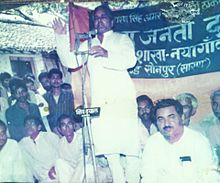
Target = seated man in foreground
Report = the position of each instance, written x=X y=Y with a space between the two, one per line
x=12 y=165
x=71 y=156
x=40 y=150
x=177 y=152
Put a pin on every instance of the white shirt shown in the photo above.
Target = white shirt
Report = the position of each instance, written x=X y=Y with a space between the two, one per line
x=116 y=129
x=40 y=101
x=12 y=165
x=72 y=152
x=161 y=160
x=41 y=154
x=144 y=134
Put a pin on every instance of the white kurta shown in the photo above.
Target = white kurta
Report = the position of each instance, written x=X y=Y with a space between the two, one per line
x=72 y=152
x=12 y=165
x=116 y=129
x=161 y=160
x=41 y=154
x=144 y=134
x=70 y=160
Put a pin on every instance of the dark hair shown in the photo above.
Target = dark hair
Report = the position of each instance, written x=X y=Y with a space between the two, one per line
x=167 y=103
x=55 y=71
x=2 y=124
x=62 y=117
x=28 y=80
x=66 y=86
x=142 y=98
x=29 y=76
x=42 y=75
x=16 y=83
x=106 y=9
x=4 y=75
x=215 y=93
x=36 y=120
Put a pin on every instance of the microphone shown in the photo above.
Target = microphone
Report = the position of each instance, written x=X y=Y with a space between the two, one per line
x=86 y=35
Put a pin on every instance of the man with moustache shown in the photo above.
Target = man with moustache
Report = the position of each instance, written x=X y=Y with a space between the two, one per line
x=115 y=131
x=59 y=101
x=44 y=81
x=145 y=106
x=176 y=152
x=146 y=125
x=16 y=113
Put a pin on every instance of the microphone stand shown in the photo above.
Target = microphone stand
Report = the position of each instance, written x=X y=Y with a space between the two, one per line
x=88 y=144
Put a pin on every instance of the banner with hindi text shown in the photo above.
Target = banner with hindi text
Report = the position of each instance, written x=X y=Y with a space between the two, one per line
x=166 y=50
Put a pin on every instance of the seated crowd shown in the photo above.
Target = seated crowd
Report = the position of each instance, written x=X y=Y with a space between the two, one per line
x=41 y=138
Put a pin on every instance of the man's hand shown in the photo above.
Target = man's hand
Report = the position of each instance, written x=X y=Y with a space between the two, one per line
x=58 y=26
x=98 y=51
x=52 y=173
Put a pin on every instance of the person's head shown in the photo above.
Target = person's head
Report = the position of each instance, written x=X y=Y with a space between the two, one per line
x=55 y=76
x=18 y=89
x=190 y=104
x=32 y=126
x=66 y=126
x=3 y=135
x=145 y=106
x=215 y=102
x=44 y=80
x=30 y=84
x=168 y=115
x=4 y=79
x=66 y=87
x=103 y=19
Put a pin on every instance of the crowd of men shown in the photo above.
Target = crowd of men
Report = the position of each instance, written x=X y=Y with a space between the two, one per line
x=136 y=139
x=45 y=140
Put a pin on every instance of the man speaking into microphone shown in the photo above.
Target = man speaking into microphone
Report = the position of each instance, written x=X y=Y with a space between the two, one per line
x=115 y=131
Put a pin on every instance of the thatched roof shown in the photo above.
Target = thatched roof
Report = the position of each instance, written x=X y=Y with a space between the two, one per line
x=17 y=37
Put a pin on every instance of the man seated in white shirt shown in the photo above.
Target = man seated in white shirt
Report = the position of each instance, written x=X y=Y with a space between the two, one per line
x=71 y=155
x=146 y=125
x=40 y=150
x=12 y=165
x=177 y=153
x=70 y=150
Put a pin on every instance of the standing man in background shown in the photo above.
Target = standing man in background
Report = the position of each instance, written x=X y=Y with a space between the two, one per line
x=16 y=113
x=115 y=131
x=59 y=101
